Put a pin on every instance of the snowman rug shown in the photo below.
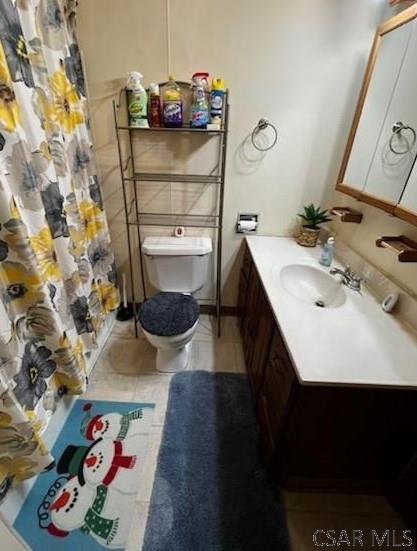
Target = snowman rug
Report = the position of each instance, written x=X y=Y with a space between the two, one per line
x=87 y=500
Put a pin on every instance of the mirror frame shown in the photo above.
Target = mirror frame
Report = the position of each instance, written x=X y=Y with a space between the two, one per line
x=394 y=209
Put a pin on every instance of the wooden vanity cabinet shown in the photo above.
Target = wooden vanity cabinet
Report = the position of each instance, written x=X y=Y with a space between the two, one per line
x=268 y=365
x=273 y=402
x=257 y=323
x=320 y=437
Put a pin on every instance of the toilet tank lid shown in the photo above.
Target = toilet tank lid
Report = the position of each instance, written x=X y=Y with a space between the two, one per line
x=177 y=246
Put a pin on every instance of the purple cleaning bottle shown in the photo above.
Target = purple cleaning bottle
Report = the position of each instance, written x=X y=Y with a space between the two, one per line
x=172 y=105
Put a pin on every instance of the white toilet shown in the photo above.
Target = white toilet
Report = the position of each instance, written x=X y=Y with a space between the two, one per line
x=177 y=267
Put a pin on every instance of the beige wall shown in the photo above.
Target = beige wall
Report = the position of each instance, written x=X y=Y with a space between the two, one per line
x=297 y=63
x=361 y=238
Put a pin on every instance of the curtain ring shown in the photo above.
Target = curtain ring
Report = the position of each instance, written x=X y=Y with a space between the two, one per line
x=397 y=128
x=62 y=390
x=263 y=125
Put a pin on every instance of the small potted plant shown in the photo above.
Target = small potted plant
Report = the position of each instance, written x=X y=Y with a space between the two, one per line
x=312 y=218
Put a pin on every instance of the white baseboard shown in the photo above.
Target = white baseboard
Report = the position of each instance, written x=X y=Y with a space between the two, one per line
x=9 y=538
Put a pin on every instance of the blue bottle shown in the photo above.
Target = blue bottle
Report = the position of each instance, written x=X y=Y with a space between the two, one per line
x=327 y=253
x=200 y=106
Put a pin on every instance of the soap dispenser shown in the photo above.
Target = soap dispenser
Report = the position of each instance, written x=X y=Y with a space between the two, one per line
x=327 y=253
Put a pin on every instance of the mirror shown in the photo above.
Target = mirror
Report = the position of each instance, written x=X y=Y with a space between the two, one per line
x=379 y=165
x=409 y=197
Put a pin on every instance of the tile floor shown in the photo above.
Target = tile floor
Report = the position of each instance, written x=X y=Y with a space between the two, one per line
x=125 y=371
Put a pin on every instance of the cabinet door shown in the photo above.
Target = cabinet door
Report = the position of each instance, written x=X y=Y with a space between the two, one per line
x=277 y=387
x=262 y=328
x=248 y=296
x=249 y=318
x=242 y=296
x=245 y=275
x=247 y=263
x=244 y=317
x=256 y=324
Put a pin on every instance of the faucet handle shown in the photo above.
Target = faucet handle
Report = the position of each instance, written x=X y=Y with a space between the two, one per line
x=355 y=282
x=358 y=278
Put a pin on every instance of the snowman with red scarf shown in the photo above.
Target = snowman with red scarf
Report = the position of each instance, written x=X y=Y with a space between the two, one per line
x=107 y=462
x=116 y=426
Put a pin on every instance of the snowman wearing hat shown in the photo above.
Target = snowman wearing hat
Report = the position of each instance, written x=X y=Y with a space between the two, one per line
x=116 y=426
x=107 y=462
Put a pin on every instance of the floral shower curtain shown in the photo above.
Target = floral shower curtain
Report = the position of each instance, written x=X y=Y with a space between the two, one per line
x=57 y=273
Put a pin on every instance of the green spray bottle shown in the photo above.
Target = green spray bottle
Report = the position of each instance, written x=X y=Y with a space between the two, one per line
x=137 y=101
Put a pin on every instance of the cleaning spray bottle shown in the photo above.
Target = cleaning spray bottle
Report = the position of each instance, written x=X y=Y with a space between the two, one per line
x=172 y=104
x=200 y=106
x=137 y=101
x=217 y=102
x=154 y=105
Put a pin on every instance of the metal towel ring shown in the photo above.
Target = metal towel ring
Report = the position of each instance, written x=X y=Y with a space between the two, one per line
x=396 y=130
x=263 y=125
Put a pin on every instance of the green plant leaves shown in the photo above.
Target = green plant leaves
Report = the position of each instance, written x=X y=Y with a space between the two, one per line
x=313 y=216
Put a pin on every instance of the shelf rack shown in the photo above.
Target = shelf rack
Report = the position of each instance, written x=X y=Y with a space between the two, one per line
x=135 y=217
x=346 y=214
x=402 y=246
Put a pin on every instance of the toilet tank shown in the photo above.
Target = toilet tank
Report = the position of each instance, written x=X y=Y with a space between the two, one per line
x=177 y=263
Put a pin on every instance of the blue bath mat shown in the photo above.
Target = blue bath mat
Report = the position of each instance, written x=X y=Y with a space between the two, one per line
x=86 y=501
x=211 y=492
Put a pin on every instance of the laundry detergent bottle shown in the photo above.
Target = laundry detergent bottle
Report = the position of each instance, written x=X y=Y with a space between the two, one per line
x=200 y=106
x=137 y=101
x=217 y=94
x=172 y=105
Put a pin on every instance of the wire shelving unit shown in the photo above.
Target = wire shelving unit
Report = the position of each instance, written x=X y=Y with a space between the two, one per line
x=137 y=217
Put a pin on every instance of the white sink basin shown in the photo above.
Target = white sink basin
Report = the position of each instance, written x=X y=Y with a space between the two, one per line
x=312 y=285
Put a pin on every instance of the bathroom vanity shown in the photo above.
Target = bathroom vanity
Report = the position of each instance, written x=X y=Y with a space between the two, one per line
x=334 y=387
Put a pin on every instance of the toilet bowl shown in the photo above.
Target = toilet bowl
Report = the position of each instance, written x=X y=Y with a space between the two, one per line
x=173 y=353
x=177 y=267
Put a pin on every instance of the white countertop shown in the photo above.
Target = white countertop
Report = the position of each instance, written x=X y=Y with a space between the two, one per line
x=352 y=344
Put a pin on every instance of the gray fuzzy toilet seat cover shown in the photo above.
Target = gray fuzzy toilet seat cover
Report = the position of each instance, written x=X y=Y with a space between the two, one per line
x=169 y=314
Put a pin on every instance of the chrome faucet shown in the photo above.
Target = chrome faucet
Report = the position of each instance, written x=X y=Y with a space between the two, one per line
x=348 y=278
